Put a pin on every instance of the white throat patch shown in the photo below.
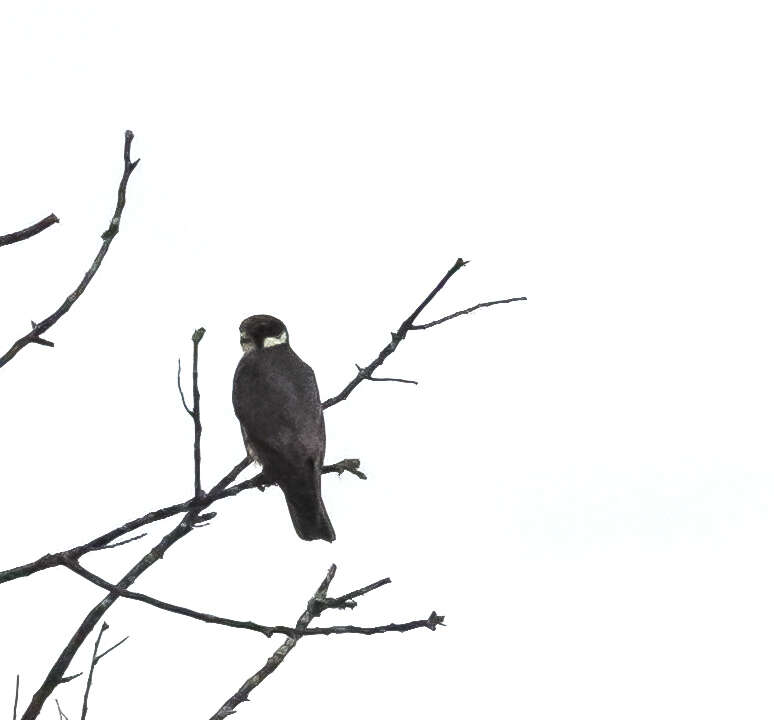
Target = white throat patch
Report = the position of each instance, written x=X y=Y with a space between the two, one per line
x=280 y=339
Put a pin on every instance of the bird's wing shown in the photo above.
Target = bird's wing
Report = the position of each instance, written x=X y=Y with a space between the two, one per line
x=277 y=402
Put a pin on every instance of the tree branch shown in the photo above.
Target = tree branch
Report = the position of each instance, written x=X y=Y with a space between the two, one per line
x=465 y=312
x=180 y=390
x=38 y=227
x=85 y=707
x=345 y=601
x=366 y=373
x=107 y=540
x=39 y=328
x=185 y=526
x=196 y=338
x=62 y=716
x=313 y=609
x=16 y=697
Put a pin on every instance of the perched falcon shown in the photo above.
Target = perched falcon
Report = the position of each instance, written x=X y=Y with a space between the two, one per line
x=278 y=405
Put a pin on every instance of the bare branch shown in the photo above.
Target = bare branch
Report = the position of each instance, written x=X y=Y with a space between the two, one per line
x=111 y=648
x=346 y=601
x=185 y=526
x=397 y=338
x=366 y=373
x=465 y=312
x=312 y=610
x=106 y=540
x=39 y=328
x=62 y=716
x=91 y=671
x=386 y=379
x=350 y=465
x=180 y=390
x=124 y=542
x=16 y=697
x=315 y=607
x=38 y=227
x=196 y=414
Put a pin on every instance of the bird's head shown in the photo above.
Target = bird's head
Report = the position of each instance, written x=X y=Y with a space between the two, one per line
x=262 y=331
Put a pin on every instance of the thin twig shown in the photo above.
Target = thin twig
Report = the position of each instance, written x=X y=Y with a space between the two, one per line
x=313 y=609
x=267 y=630
x=38 y=227
x=91 y=671
x=180 y=390
x=196 y=338
x=397 y=337
x=465 y=312
x=111 y=648
x=16 y=697
x=39 y=328
x=386 y=379
x=62 y=716
x=345 y=600
x=185 y=526
x=107 y=539
x=124 y=542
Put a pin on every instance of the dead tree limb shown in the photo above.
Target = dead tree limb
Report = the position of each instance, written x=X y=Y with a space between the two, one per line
x=315 y=607
x=85 y=707
x=267 y=630
x=16 y=697
x=107 y=540
x=366 y=373
x=34 y=336
x=185 y=526
x=193 y=515
x=38 y=227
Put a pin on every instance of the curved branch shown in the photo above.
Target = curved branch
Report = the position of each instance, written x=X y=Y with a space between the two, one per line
x=185 y=526
x=366 y=373
x=465 y=312
x=38 y=227
x=108 y=539
x=345 y=601
x=39 y=328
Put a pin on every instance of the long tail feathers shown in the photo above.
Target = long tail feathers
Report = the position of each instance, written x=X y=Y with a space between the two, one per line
x=310 y=519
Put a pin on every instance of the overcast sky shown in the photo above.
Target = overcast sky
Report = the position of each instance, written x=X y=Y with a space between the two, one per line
x=581 y=483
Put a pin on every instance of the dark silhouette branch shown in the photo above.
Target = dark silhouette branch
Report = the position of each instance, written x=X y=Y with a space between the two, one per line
x=107 y=540
x=185 y=526
x=124 y=542
x=267 y=630
x=38 y=227
x=386 y=379
x=180 y=390
x=34 y=336
x=196 y=414
x=86 y=692
x=313 y=609
x=16 y=697
x=399 y=336
x=62 y=716
x=465 y=312
x=95 y=658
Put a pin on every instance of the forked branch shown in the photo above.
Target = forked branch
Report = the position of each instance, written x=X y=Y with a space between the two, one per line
x=366 y=373
x=38 y=328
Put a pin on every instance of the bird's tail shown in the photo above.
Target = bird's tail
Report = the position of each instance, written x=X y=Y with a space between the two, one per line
x=310 y=519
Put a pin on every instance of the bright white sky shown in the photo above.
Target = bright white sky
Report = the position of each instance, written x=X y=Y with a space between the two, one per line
x=582 y=483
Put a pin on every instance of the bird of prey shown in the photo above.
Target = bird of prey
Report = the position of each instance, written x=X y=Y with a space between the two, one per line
x=278 y=405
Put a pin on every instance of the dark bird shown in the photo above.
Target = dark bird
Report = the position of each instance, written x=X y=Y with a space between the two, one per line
x=278 y=405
